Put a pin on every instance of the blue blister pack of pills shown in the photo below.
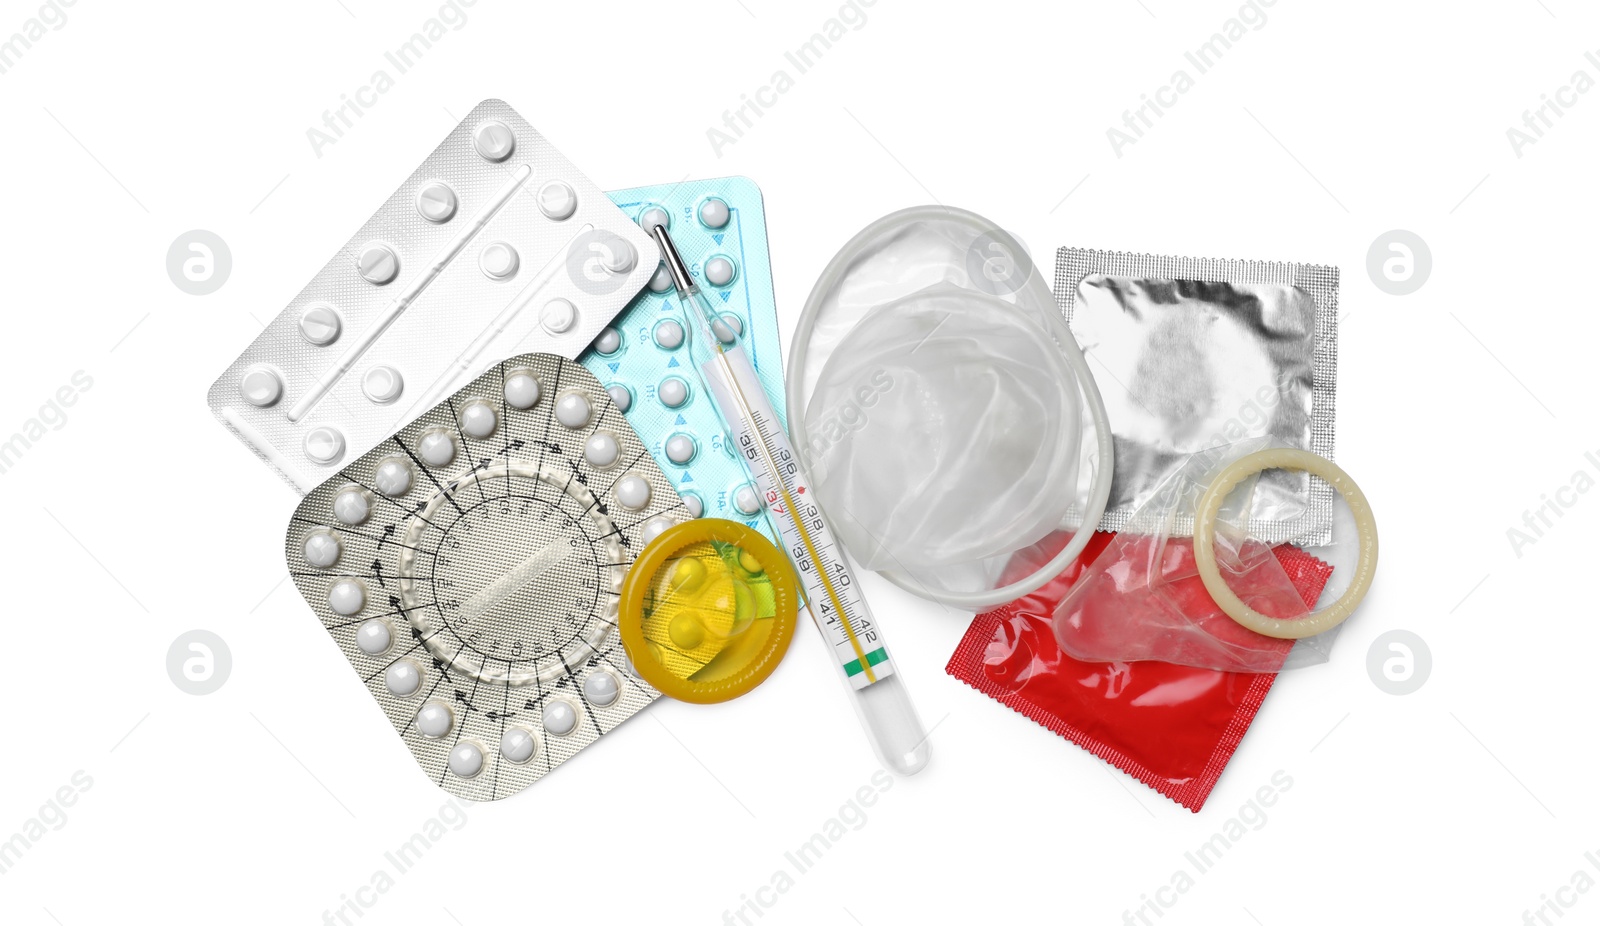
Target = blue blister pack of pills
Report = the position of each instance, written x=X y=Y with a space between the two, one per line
x=643 y=357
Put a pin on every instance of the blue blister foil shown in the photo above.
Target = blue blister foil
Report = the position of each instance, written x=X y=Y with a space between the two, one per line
x=643 y=360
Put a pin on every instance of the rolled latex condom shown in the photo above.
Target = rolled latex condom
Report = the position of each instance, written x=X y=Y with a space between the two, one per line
x=708 y=611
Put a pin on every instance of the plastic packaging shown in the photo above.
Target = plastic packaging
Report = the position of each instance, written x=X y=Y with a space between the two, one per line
x=940 y=404
x=1172 y=727
x=494 y=246
x=643 y=357
x=469 y=568
x=1192 y=353
x=1143 y=598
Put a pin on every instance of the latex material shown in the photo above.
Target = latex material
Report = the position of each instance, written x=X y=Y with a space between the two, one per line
x=1172 y=727
x=708 y=611
x=1143 y=598
x=1227 y=596
x=971 y=489
x=970 y=403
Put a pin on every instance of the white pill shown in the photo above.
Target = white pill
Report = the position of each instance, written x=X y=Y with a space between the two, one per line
x=498 y=260
x=403 y=678
x=324 y=445
x=436 y=202
x=653 y=216
x=478 y=419
x=673 y=392
x=558 y=316
x=601 y=689
x=351 y=506
x=466 y=760
x=557 y=200
x=746 y=500
x=518 y=745
x=346 y=597
x=719 y=271
x=319 y=325
x=382 y=384
x=714 y=213
x=600 y=450
x=260 y=387
x=560 y=718
x=661 y=280
x=573 y=410
x=322 y=549
x=374 y=637
x=522 y=390
x=436 y=448
x=655 y=527
x=668 y=335
x=434 y=720
x=609 y=341
x=680 y=448
x=722 y=331
x=617 y=256
x=620 y=397
x=494 y=141
x=393 y=477
x=378 y=263
x=733 y=322
x=694 y=505
x=633 y=492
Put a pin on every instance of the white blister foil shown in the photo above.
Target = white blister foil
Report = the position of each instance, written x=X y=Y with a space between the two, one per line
x=469 y=568
x=496 y=245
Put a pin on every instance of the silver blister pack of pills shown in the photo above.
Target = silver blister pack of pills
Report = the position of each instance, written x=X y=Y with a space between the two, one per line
x=496 y=245
x=469 y=568
x=1194 y=353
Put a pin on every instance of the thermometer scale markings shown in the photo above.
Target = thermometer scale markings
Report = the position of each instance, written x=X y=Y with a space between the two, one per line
x=763 y=445
x=843 y=608
x=887 y=717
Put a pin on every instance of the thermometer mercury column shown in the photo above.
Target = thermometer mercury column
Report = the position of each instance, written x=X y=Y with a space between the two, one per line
x=833 y=598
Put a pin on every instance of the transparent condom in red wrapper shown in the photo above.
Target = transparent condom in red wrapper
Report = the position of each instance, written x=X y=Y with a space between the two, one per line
x=1172 y=727
x=1142 y=598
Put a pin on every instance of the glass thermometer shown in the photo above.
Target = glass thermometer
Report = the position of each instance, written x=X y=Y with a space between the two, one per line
x=832 y=596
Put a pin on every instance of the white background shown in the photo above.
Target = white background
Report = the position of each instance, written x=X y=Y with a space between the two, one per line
x=1460 y=407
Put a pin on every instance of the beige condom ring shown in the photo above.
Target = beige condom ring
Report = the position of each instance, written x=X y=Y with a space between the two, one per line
x=1205 y=554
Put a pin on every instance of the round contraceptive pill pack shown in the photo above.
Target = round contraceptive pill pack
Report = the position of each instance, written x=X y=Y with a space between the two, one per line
x=496 y=245
x=469 y=567
x=643 y=358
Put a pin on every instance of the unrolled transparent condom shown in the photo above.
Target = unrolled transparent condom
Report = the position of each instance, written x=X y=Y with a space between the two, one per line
x=945 y=430
x=937 y=399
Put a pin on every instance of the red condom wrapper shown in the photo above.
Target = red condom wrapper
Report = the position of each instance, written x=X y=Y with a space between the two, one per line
x=1172 y=727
